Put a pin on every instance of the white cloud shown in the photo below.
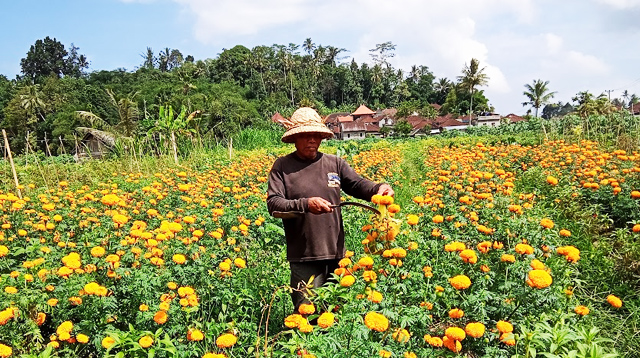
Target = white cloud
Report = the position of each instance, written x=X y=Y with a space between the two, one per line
x=621 y=4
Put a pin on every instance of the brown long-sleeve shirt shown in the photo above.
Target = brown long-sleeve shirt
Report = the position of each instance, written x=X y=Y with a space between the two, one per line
x=292 y=181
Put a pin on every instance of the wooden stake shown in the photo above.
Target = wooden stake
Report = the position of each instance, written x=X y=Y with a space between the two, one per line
x=230 y=147
x=61 y=145
x=46 y=144
x=13 y=167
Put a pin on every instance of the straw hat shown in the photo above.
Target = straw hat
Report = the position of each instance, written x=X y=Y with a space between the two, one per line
x=304 y=120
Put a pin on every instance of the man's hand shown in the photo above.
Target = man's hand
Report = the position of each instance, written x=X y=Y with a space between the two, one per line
x=318 y=205
x=385 y=189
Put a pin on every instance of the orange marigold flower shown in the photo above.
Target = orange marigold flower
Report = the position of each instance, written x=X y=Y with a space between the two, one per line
x=475 y=329
x=452 y=345
x=539 y=279
x=547 y=223
x=551 y=180
x=571 y=253
x=565 y=233
x=636 y=228
x=438 y=219
x=455 y=333
x=366 y=262
x=469 y=256
x=581 y=310
x=508 y=339
x=507 y=258
x=226 y=340
x=456 y=313
x=433 y=341
x=393 y=208
x=524 y=249
x=460 y=282
x=614 y=301
x=377 y=322
x=307 y=308
x=293 y=320
x=537 y=264
x=160 y=317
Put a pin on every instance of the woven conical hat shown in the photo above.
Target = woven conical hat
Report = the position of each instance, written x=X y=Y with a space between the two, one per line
x=305 y=120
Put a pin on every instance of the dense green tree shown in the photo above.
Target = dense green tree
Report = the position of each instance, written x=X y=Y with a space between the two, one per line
x=49 y=57
x=473 y=76
x=552 y=110
x=402 y=128
x=537 y=94
x=231 y=66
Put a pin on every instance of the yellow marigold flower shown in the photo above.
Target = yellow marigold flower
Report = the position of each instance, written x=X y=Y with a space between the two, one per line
x=377 y=322
x=410 y=355
x=452 y=345
x=307 y=309
x=386 y=200
x=143 y=308
x=11 y=290
x=524 y=249
x=305 y=327
x=455 y=246
x=195 y=335
x=438 y=219
x=52 y=302
x=507 y=258
x=460 y=282
x=456 y=313
x=384 y=354
x=401 y=335
x=552 y=181
x=226 y=340
x=3 y=251
x=345 y=262
x=224 y=266
x=240 y=263
x=547 y=223
x=375 y=297
x=366 y=262
x=179 y=259
x=581 y=310
x=539 y=279
x=214 y=355
x=370 y=276
x=5 y=351
x=614 y=301
x=475 y=329
x=107 y=342
x=97 y=251
x=326 y=320
x=146 y=341
x=455 y=333
x=82 y=338
x=504 y=327
x=412 y=219
x=347 y=281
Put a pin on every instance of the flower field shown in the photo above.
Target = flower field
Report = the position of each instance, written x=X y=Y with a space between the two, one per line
x=487 y=250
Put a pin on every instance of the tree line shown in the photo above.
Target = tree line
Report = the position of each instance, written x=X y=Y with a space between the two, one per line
x=218 y=97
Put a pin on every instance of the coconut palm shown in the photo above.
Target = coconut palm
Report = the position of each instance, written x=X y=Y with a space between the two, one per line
x=537 y=94
x=128 y=113
x=32 y=101
x=473 y=76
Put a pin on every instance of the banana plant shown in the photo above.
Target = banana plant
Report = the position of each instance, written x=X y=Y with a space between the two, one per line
x=170 y=124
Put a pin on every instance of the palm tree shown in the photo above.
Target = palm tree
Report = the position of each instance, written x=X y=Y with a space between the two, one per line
x=128 y=113
x=537 y=94
x=308 y=45
x=33 y=102
x=473 y=76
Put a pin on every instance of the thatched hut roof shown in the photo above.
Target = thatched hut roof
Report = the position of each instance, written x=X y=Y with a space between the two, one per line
x=106 y=138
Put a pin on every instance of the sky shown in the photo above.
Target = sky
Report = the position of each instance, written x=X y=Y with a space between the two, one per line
x=576 y=45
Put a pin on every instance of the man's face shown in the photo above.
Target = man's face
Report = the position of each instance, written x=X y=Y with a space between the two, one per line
x=307 y=145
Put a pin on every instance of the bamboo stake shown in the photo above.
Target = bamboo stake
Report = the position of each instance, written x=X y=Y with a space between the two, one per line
x=26 y=149
x=175 y=149
x=13 y=167
x=62 y=145
x=230 y=147
x=46 y=144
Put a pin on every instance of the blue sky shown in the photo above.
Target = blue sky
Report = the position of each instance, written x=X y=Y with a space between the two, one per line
x=577 y=45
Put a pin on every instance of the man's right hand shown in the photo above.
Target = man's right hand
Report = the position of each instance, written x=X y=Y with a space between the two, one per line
x=318 y=205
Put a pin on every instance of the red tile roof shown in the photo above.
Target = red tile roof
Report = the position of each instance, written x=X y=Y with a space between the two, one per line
x=514 y=118
x=451 y=122
x=353 y=127
x=345 y=119
x=333 y=117
x=362 y=110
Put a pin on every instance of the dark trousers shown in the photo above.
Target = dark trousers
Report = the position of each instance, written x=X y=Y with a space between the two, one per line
x=301 y=273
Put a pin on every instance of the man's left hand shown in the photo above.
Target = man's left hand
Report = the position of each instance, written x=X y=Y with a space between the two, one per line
x=385 y=189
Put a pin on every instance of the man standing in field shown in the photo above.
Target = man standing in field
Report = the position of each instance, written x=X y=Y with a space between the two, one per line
x=309 y=181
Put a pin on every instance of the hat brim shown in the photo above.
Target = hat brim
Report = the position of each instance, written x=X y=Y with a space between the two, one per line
x=288 y=136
